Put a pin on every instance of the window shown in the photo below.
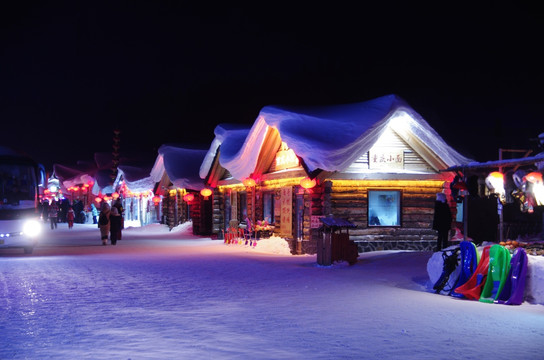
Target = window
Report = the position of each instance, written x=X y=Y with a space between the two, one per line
x=242 y=206
x=268 y=207
x=383 y=208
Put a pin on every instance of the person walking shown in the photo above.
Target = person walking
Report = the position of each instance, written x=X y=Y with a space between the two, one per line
x=442 y=220
x=94 y=212
x=119 y=205
x=70 y=215
x=53 y=214
x=104 y=222
x=115 y=225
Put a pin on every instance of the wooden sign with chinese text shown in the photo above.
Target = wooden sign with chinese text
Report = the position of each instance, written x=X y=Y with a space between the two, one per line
x=383 y=159
x=286 y=220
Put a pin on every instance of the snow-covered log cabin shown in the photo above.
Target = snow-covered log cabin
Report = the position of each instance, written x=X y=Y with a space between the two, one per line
x=376 y=163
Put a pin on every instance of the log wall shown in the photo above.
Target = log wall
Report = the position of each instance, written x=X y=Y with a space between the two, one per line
x=349 y=200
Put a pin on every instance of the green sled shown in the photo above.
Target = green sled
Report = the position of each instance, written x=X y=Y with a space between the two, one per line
x=499 y=267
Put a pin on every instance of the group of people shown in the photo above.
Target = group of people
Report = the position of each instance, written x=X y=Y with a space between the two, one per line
x=110 y=222
x=109 y=219
x=63 y=211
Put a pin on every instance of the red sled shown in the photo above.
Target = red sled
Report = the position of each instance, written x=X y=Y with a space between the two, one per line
x=473 y=287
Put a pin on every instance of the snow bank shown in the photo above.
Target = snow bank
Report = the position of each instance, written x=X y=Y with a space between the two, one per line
x=534 y=286
x=273 y=245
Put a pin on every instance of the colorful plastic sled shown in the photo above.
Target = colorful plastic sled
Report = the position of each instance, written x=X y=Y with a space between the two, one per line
x=512 y=293
x=499 y=267
x=469 y=262
x=450 y=261
x=473 y=287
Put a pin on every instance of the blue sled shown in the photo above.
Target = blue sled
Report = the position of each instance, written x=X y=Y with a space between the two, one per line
x=469 y=263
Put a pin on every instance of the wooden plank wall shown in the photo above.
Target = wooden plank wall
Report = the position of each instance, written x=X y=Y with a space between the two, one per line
x=417 y=204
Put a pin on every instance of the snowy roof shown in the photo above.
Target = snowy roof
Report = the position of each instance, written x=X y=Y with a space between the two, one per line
x=331 y=138
x=74 y=175
x=537 y=160
x=181 y=164
x=133 y=167
x=229 y=138
x=136 y=173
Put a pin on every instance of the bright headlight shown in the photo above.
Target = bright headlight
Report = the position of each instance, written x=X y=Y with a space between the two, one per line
x=32 y=228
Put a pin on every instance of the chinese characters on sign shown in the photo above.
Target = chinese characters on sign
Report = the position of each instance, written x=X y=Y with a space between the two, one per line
x=386 y=159
x=286 y=159
x=286 y=211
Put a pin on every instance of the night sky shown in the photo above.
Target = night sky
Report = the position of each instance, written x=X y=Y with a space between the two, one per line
x=168 y=72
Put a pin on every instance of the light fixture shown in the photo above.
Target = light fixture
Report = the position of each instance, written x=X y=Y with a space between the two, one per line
x=205 y=192
x=248 y=182
x=307 y=183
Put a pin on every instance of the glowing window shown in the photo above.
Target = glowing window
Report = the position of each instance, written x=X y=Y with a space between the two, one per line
x=383 y=208
x=268 y=207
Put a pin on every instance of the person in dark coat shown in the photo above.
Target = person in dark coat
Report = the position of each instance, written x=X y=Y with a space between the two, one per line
x=442 y=220
x=115 y=225
x=53 y=214
x=119 y=205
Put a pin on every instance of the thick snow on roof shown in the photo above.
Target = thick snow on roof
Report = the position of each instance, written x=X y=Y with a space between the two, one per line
x=331 y=138
x=181 y=164
x=230 y=137
x=74 y=175
x=537 y=160
x=135 y=169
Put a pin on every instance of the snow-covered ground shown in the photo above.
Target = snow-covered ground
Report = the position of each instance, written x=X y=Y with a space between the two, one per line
x=171 y=295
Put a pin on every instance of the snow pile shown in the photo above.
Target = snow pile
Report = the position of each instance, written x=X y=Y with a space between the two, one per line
x=273 y=245
x=534 y=286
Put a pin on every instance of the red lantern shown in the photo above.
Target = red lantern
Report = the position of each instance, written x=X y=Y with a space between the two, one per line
x=307 y=183
x=188 y=197
x=534 y=177
x=115 y=195
x=205 y=192
x=156 y=200
x=97 y=199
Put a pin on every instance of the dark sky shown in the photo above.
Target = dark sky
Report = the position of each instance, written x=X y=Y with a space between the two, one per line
x=165 y=71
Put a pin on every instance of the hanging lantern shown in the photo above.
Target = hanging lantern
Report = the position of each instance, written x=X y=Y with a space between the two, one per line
x=115 y=195
x=495 y=183
x=188 y=197
x=98 y=199
x=248 y=182
x=205 y=192
x=534 y=177
x=156 y=200
x=307 y=183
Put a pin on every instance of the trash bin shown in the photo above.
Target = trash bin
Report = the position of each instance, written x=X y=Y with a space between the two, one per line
x=334 y=243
